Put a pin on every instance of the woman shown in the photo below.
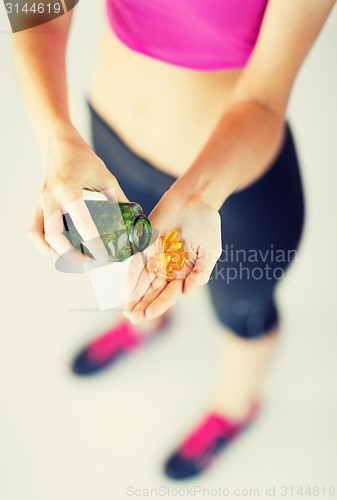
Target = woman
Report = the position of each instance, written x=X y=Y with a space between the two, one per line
x=188 y=104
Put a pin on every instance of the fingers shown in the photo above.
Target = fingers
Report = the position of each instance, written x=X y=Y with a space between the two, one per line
x=45 y=233
x=62 y=192
x=86 y=227
x=36 y=232
x=47 y=228
x=164 y=300
x=59 y=245
x=136 y=315
x=137 y=277
x=152 y=296
x=157 y=300
x=149 y=295
x=139 y=283
x=162 y=295
x=138 y=280
x=64 y=256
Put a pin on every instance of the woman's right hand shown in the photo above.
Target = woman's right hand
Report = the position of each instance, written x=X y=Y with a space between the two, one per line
x=71 y=167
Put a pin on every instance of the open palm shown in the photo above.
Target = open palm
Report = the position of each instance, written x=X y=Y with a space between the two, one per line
x=199 y=227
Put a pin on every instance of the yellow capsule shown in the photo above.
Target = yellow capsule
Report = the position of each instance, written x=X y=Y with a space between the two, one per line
x=175 y=256
x=161 y=260
x=160 y=266
x=171 y=237
x=168 y=276
x=151 y=265
x=180 y=264
x=160 y=244
x=174 y=246
x=170 y=256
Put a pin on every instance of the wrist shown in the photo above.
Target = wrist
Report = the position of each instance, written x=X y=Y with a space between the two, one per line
x=62 y=137
x=201 y=187
x=196 y=194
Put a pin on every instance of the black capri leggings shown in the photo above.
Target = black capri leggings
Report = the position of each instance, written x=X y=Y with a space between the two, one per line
x=261 y=228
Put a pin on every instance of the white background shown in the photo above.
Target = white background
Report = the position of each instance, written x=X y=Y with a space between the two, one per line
x=66 y=438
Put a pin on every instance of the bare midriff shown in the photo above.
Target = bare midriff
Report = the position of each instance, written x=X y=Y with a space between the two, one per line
x=164 y=113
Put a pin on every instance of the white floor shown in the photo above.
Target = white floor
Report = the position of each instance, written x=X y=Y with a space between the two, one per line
x=66 y=438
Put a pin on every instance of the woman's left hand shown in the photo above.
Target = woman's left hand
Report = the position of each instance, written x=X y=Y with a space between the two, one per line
x=200 y=230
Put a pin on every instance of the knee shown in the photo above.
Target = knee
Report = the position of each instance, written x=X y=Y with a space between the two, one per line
x=248 y=317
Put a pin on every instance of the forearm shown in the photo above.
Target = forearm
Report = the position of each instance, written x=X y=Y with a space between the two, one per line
x=241 y=147
x=39 y=55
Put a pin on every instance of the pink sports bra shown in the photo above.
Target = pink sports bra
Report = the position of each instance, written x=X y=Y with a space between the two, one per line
x=197 y=34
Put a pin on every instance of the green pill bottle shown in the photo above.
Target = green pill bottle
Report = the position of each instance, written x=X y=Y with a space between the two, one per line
x=123 y=228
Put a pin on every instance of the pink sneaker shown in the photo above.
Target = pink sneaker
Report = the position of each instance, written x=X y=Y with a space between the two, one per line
x=201 y=447
x=121 y=339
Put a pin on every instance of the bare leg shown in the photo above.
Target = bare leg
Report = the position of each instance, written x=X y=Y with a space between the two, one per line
x=243 y=373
